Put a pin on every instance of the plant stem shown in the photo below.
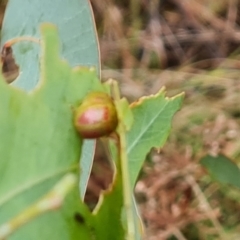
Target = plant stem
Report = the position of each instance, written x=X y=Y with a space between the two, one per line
x=127 y=191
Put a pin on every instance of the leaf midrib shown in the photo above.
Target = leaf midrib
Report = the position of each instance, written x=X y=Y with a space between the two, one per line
x=134 y=143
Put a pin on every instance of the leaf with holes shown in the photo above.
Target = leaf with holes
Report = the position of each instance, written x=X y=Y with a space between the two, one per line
x=38 y=143
x=152 y=124
x=76 y=28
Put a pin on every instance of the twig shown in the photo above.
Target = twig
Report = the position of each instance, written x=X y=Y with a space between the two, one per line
x=230 y=24
x=208 y=210
x=173 y=41
x=178 y=234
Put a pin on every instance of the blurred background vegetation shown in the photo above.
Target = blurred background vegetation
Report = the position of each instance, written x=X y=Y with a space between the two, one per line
x=190 y=46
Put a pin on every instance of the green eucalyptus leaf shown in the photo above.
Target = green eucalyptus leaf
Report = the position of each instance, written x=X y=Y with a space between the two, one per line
x=79 y=45
x=222 y=169
x=39 y=143
x=152 y=118
x=76 y=29
x=152 y=124
x=108 y=212
x=73 y=215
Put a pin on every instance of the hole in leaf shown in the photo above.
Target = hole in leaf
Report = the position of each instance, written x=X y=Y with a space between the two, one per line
x=101 y=176
x=79 y=218
x=10 y=69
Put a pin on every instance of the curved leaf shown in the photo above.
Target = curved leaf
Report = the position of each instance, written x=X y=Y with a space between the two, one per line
x=39 y=143
x=79 y=45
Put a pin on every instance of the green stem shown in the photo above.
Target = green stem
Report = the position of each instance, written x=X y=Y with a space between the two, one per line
x=127 y=190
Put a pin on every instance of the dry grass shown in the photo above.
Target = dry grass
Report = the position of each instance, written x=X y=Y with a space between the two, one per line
x=189 y=46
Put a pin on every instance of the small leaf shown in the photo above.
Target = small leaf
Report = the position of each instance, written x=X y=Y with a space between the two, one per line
x=152 y=124
x=222 y=169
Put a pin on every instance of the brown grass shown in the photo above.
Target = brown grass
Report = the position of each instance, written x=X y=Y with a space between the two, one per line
x=189 y=46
